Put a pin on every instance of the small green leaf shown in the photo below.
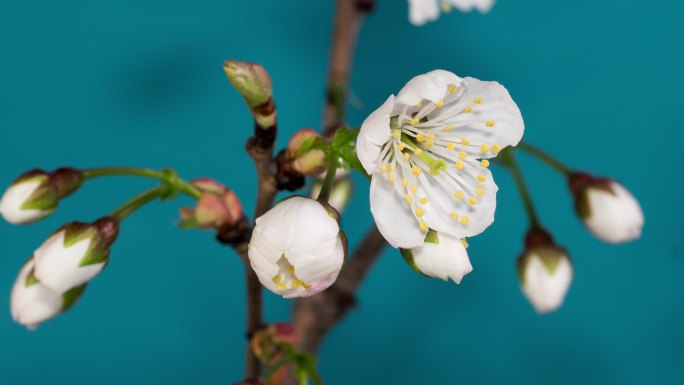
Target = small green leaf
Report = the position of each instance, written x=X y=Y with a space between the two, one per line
x=70 y=297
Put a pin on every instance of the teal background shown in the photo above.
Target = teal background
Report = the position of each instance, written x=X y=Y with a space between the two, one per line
x=89 y=84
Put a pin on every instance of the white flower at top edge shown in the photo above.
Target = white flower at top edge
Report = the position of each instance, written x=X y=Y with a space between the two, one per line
x=297 y=248
x=427 y=149
x=422 y=11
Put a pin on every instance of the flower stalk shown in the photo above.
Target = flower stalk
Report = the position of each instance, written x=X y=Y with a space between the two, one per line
x=546 y=158
x=168 y=176
x=507 y=158
x=138 y=201
x=328 y=182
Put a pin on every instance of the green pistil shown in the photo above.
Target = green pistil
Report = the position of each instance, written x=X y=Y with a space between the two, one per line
x=436 y=165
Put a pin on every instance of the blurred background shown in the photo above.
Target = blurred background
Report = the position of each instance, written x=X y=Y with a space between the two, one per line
x=140 y=83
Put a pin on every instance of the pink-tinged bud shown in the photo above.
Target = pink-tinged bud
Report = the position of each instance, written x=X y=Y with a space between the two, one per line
x=606 y=208
x=266 y=341
x=305 y=160
x=310 y=163
x=301 y=141
x=36 y=194
x=544 y=271
x=218 y=207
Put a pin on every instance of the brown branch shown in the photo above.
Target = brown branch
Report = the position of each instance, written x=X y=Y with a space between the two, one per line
x=315 y=316
x=349 y=15
x=254 y=84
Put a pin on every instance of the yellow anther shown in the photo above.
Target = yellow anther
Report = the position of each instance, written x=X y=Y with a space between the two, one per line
x=277 y=279
x=420 y=212
x=481 y=178
x=450 y=146
x=464 y=242
x=462 y=155
x=414 y=121
x=418 y=151
x=391 y=177
x=479 y=191
x=465 y=141
x=424 y=200
x=407 y=156
x=454 y=215
x=465 y=219
x=472 y=201
x=423 y=226
x=416 y=171
x=496 y=148
x=468 y=109
x=490 y=123
x=459 y=165
x=281 y=286
x=384 y=167
x=448 y=127
x=439 y=104
x=484 y=148
x=458 y=194
x=429 y=144
x=420 y=137
x=451 y=88
x=431 y=136
x=419 y=104
x=401 y=146
x=389 y=168
x=291 y=269
x=396 y=134
x=408 y=198
x=295 y=283
x=478 y=100
x=404 y=182
x=484 y=163
x=414 y=188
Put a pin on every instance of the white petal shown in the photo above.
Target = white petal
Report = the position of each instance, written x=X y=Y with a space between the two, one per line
x=615 y=218
x=34 y=304
x=544 y=290
x=375 y=132
x=431 y=86
x=444 y=260
x=422 y=11
x=498 y=108
x=483 y=6
x=57 y=266
x=15 y=197
x=393 y=215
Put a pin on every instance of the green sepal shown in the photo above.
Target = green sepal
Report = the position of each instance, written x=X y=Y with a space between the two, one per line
x=98 y=250
x=408 y=257
x=550 y=257
x=188 y=223
x=432 y=237
x=31 y=278
x=44 y=198
x=70 y=297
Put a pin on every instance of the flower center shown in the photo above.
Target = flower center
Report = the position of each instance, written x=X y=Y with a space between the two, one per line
x=432 y=156
x=286 y=278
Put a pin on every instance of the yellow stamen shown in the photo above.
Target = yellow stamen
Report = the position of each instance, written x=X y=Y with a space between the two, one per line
x=484 y=148
x=459 y=165
x=281 y=286
x=478 y=100
x=423 y=226
x=448 y=127
x=396 y=134
x=404 y=182
x=451 y=88
x=384 y=167
x=496 y=148
x=416 y=171
x=420 y=212
x=418 y=151
x=472 y=201
x=468 y=109
x=401 y=146
x=291 y=269
x=465 y=219
x=414 y=187
x=465 y=141
x=420 y=137
x=481 y=178
x=464 y=242
x=458 y=194
x=479 y=191
x=490 y=123
x=408 y=198
x=462 y=155
x=450 y=146
x=407 y=156
x=484 y=163
x=454 y=215
x=439 y=104
x=277 y=279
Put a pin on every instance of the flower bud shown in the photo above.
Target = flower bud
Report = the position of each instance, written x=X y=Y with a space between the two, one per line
x=74 y=254
x=441 y=256
x=304 y=159
x=297 y=248
x=607 y=209
x=265 y=341
x=251 y=80
x=544 y=271
x=32 y=303
x=35 y=194
x=218 y=206
x=340 y=194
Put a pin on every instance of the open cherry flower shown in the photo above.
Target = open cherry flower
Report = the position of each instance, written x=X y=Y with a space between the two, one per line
x=426 y=150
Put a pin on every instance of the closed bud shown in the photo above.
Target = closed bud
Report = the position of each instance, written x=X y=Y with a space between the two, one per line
x=304 y=159
x=297 y=248
x=607 y=209
x=545 y=271
x=32 y=303
x=74 y=254
x=339 y=195
x=36 y=194
x=441 y=256
x=217 y=207
x=251 y=80
x=265 y=341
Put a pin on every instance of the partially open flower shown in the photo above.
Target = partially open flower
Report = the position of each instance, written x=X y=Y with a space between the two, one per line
x=32 y=303
x=74 y=254
x=544 y=271
x=422 y=11
x=427 y=151
x=297 y=248
x=36 y=194
x=606 y=208
x=441 y=256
